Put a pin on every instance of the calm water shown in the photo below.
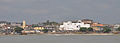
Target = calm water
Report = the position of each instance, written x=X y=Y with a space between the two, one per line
x=60 y=39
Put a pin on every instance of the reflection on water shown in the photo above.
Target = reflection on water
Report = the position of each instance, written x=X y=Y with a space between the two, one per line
x=59 y=39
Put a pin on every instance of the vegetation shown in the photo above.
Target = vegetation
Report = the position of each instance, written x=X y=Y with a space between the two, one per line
x=35 y=25
x=83 y=29
x=45 y=30
x=18 y=29
x=106 y=29
x=90 y=29
x=50 y=23
x=118 y=29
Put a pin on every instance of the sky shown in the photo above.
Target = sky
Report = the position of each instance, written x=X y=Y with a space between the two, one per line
x=34 y=11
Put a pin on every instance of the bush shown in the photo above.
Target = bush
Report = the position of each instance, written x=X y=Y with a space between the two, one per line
x=106 y=30
x=118 y=29
x=90 y=29
x=83 y=29
x=45 y=30
x=18 y=29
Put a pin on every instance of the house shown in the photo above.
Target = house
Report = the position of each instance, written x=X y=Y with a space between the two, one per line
x=50 y=28
x=39 y=28
x=97 y=26
x=93 y=25
x=69 y=25
x=29 y=31
x=115 y=27
x=16 y=24
x=3 y=23
x=87 y=21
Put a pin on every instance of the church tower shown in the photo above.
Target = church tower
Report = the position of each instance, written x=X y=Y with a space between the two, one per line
x=24 y=24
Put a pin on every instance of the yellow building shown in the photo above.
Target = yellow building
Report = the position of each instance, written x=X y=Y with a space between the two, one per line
x=24 y=24
x=96 y=28
x=38 y=28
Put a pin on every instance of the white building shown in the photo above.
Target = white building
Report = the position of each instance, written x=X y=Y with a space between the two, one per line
x=16 y=24
x=69 y=25
x=3 y=23
x=116 y=25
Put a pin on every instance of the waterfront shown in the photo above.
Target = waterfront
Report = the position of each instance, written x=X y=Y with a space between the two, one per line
x=60 y=39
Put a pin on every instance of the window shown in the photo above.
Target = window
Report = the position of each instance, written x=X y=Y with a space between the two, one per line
x=67 y=24
x=77 y=26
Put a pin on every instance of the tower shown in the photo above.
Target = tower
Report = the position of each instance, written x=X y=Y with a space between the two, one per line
x=24 y=24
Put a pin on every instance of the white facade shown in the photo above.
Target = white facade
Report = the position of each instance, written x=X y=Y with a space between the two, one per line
x=16 y=24
x=73 y=26
x=116 y=25
x=2 y=24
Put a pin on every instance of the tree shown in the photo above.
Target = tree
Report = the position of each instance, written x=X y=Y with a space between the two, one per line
x=35 y=25
x=50 y=23
x=106 y=29
x=18 y=29
x=118 y=29
x=83 y=29
x=53 y=23
x=90 y=29
x=45 y=30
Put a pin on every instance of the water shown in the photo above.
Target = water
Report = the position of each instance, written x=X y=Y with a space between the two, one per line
x=59 y=39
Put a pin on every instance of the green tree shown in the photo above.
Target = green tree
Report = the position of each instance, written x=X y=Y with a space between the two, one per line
x=35 y=25
x=18 y=29
x=106 y=29
x=53 y=23
x=83 y=29
x=47 y=22
x=118 y=29
x=90 y=29
x=50 y=23
x=45 y=30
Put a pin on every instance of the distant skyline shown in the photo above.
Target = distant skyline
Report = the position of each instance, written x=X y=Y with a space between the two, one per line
x=35 y=11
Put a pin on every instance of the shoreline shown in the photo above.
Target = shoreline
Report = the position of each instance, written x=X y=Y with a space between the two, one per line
x=84 y=34
x=95 y=34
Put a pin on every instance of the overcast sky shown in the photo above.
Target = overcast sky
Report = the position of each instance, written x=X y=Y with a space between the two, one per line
x=34 y=11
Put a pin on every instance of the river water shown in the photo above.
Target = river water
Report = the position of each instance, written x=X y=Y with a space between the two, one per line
x=60 y=39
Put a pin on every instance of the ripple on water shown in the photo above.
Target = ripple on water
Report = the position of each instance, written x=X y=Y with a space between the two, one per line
x=59 y=38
